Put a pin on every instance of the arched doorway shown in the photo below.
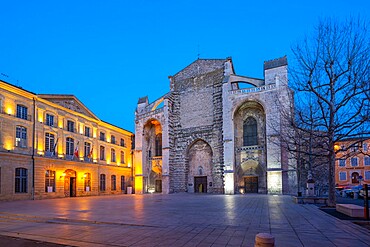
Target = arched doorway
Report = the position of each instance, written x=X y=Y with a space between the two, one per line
x=200 y=167
x=250 y=148
x=152 y=156
x=70 y=183
x=355 y=177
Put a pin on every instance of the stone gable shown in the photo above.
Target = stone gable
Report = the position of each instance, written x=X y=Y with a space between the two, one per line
x=69 y=102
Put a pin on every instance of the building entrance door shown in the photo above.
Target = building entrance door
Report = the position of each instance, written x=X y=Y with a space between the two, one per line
x=355 y=177
x=69 y=183
x=251 y=184
x=200 y=184
x=72 y=187
x=158 y=186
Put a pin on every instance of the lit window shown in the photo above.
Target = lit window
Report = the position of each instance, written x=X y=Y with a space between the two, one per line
x=102 y=182
x=113 y=182
x=343 y=176
x=22 y=112
x=21 y=180
x=354 y=161
x=158 y=145
x=49 y=120
x=87 y=131
x=367 y=175
x=113 y=155
x=122 y=157
x=250 y=132
x=21 y=137
x=69 y=146
x=49 y=142
x=102 y=136
x=364 y=147
x=342 y=162
x=87 y=150
x=367 y=161
x=49 y=181
x=71 y=126
x=102 y=153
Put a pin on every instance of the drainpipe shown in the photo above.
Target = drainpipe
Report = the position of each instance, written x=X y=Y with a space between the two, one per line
x=33 y=148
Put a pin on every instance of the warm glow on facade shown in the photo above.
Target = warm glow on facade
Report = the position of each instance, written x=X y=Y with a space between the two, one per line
x=40 y=147
x=44 y=145
x=9 y=110
x=8 y=144
x=60 y=123
x=40 y=117
x=138 y=184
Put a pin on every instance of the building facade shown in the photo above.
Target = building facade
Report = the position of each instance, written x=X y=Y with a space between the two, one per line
x=215 y=132
x=53 y=146
x=352 y=162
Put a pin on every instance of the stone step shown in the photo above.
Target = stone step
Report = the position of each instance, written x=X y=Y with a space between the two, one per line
x=351 y=210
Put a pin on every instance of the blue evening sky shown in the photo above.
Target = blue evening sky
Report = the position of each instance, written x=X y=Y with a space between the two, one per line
x=110 y=53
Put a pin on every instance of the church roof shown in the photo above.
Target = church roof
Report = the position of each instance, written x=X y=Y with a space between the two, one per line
x=200 y=67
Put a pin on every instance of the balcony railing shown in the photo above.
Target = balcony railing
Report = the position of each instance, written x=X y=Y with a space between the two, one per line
x=248 y=148
x=27 y=117
x=51 y=124
x=253 y=89
x=73 y=130
x=21 y=143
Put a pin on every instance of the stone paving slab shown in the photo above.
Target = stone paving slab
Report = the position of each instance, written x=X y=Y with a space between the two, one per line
x=176 y=220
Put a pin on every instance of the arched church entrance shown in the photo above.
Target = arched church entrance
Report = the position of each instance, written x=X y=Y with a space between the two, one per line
x=152 y=156
x=250 y=148
x=200 y=167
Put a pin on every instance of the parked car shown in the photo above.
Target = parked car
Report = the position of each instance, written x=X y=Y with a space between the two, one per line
x=349 y=191
x=361 y=193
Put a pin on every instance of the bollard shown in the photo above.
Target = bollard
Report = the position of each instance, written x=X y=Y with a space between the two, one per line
x=264 y=240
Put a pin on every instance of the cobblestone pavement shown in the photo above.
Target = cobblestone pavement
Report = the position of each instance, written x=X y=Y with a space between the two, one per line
x=176 y=220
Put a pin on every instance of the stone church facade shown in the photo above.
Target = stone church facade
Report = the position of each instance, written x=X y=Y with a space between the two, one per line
x=215 y=132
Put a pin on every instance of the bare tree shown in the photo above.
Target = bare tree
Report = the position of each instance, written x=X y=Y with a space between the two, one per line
x=300 y=138
x=330 y=78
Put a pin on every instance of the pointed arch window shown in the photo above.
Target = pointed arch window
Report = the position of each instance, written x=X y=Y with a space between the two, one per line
x=158 y=145
x=250 y=135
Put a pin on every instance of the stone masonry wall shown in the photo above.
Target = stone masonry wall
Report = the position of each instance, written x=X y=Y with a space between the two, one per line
x=205 y=94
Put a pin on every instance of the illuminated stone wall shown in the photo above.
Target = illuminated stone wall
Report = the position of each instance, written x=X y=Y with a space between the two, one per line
x=206 y=103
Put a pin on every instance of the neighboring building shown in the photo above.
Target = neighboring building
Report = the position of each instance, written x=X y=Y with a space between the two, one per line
x=215 y=132
x=53 y=146
x=352 y=165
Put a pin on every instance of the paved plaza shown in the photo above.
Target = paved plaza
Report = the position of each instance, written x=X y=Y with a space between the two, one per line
x=176 y=220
